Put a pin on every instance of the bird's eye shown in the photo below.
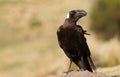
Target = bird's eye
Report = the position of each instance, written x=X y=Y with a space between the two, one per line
x=72 y=13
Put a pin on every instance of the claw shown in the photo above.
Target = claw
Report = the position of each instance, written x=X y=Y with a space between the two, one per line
x=68 y=71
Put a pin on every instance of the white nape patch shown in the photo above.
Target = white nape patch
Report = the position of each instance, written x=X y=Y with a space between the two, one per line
x=68 y=15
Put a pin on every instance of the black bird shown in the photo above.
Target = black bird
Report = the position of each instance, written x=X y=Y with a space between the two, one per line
x=73 y=42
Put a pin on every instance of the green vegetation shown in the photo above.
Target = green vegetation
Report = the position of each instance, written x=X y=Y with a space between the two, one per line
x=34 y=22
x=106 y=19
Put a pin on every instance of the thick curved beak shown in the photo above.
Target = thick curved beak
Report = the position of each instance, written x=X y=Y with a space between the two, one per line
x=81 y=13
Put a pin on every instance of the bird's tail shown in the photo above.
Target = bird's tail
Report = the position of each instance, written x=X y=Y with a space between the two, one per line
x=84 y=63
x=91 y=63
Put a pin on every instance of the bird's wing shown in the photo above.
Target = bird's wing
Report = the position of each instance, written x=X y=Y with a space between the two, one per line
x=83 y=44
x=82 y=40
x=60 y=36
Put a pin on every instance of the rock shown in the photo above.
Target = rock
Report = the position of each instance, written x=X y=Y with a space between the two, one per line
x=85 y=74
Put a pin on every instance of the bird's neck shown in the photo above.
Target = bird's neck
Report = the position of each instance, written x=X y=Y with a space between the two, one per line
x=69 y=23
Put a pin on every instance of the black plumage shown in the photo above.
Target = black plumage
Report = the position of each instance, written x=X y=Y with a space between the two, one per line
x=73 y=42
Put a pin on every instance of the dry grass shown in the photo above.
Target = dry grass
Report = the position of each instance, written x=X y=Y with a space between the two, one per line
x=110 y=70
x=27 y=51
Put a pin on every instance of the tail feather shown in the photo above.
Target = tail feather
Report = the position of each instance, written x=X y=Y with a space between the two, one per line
x=83 y=64
x=91 y=63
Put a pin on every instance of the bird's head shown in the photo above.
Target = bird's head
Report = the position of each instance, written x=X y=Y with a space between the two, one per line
x=76 y=14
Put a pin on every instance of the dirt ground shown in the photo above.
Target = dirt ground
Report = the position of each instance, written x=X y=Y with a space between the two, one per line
x=85 y=74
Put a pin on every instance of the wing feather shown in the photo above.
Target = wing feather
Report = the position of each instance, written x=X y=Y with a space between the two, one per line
x=84 y=46
x=82 y=41
x=60 y=36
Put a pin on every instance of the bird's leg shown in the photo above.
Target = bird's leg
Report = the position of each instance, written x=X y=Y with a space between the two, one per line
x=69 y=69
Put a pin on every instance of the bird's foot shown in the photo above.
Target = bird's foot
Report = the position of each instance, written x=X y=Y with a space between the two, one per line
x=68 y=71
x=80 y=70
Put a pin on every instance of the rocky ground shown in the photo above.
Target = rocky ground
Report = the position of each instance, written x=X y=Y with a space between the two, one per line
x=85 y=74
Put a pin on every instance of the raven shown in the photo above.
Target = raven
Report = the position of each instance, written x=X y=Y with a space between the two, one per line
x=73 y=42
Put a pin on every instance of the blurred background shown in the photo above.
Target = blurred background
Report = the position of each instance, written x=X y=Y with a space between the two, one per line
x=28 y=41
